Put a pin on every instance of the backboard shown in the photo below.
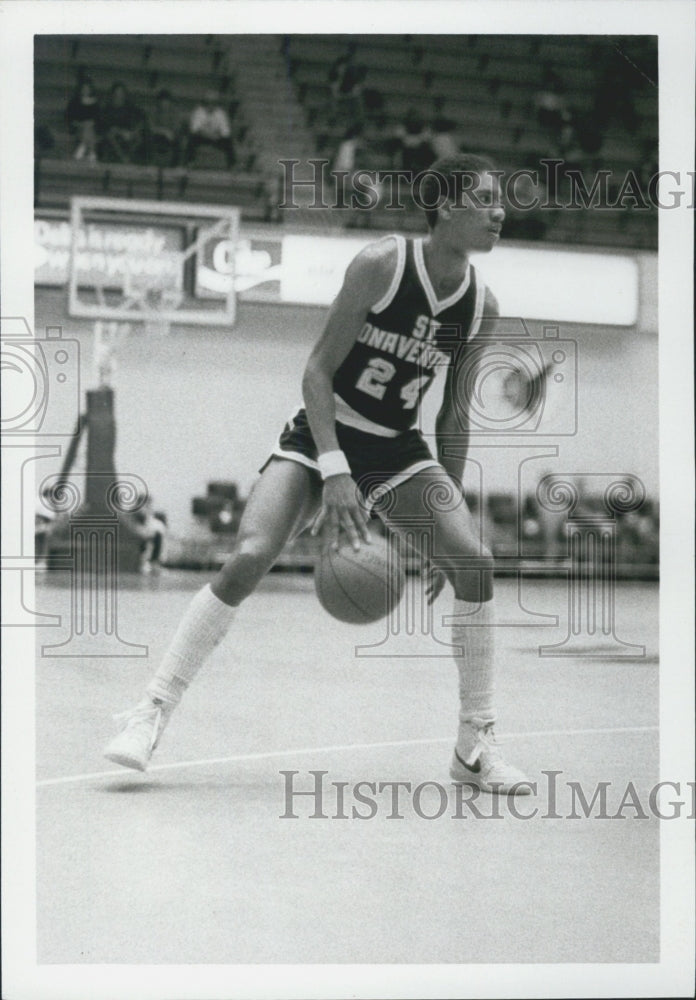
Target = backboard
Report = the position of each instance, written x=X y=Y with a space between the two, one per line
x=134 y=260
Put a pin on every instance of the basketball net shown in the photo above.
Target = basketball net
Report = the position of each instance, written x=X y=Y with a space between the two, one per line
x=153 y=299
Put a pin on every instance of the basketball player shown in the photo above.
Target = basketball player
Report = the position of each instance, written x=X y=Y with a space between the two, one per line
x=407 y=307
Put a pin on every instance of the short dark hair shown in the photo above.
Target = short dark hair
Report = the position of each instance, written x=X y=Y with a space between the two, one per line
x=443 y=181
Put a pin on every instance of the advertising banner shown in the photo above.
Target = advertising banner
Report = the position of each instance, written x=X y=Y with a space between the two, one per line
x=307 y=269
x=103 y=251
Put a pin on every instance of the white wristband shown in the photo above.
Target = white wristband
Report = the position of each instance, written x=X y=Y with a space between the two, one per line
x=333 y=463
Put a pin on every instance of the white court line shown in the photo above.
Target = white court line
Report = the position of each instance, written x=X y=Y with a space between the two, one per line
x=123 y=771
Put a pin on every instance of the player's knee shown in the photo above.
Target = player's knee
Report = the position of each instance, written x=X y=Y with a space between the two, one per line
x=471 y=555
x=249 y=562
x=254 y=554
x=471 y=574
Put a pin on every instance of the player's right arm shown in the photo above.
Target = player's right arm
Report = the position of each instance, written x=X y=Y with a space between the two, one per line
x=366 y=281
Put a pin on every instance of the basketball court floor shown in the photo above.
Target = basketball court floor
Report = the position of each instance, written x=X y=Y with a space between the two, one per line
x=193 y=862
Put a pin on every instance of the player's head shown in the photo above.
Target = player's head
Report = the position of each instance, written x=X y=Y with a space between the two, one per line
x=462 y=194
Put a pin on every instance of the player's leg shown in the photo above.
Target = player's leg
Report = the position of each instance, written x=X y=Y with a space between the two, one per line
x=284 y=498
x=428 y=504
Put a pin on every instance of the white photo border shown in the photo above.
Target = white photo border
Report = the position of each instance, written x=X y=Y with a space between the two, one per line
x=673 y=22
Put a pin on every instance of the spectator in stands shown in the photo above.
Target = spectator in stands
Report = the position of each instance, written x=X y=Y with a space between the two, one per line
x=349 y=149
x=123 y=126
x=552 y=111
x=355 y=152
x=443 y=138
x=210 y=127
x=165 y=132
x=150 y=529
x=82 y=118
x=346 y=79
x=414 y=147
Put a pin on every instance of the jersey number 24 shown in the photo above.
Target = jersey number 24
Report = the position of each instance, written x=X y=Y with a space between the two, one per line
x=379 y=373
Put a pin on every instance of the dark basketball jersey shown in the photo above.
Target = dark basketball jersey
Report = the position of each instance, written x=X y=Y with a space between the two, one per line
x=407 y=336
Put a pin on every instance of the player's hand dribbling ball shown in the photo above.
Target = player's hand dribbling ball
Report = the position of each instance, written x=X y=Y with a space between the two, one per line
x=359 y=587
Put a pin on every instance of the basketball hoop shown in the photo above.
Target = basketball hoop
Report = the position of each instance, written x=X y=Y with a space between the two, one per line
x=153 y=298
x=139 y=261
x=158 y=304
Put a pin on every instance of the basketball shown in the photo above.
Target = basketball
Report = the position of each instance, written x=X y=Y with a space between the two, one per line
x=359 y=587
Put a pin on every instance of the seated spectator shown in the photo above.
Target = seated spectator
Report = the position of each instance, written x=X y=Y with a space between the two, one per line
x=443 y=138
x=414 y=143
x=165 y=133
x=354 y=153
x=552 y=111
x=348 y=153
x=82 y=117
x=154 y=533
x=210 y=126
x=122 y=128
x=150 y=530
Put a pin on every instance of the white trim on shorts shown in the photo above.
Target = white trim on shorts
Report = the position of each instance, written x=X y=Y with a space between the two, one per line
x=411 y=470
x=295 y=456
x=401 y=477
x=396 y=279
x=396 y=480
x=310 y=463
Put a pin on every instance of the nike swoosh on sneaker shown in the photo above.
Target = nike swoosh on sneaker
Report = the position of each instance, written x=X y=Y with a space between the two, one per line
x=474 y=768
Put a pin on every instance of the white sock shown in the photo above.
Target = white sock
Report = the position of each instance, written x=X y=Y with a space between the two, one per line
x=202 y=628
x=475 y=666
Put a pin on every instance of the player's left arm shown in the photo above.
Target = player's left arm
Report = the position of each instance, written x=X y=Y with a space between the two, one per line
x=452 y=426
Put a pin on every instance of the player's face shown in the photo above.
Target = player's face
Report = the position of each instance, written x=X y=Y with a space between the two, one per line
x=477 y=220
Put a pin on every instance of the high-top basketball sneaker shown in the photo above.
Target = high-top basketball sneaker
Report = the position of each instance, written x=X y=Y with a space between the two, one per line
x=141 y=733
x=482 y=764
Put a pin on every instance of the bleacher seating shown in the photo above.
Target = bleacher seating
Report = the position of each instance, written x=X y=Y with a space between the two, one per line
x=486 y=84
x=187 y=66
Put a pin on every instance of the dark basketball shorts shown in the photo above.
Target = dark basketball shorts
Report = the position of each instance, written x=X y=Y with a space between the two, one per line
x=376 y=462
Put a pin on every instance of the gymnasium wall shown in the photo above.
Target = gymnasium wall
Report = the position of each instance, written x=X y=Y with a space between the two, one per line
x=208 y=404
